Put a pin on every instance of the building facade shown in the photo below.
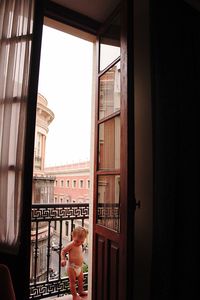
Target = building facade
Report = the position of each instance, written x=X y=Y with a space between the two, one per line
x=72 y=182
x=42 y=191
x=42 y=184
x=72 y=185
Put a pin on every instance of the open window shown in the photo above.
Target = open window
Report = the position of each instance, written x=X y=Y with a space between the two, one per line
x=112 y=197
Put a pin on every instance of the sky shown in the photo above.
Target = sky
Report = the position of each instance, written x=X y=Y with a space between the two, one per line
x=65 y=80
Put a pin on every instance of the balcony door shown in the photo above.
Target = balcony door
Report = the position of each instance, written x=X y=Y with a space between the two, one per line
x=112 y=195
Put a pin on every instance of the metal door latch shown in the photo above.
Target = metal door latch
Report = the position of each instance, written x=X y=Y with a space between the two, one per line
x=137 y=204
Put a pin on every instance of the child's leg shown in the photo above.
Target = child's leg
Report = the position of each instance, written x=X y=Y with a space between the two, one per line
x=72 y=280
x=80 y=285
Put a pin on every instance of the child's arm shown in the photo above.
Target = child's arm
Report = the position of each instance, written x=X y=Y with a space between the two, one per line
x=64 y=251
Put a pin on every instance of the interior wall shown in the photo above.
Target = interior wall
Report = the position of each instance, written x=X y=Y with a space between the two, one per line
x=143 y=151
x=176 y=77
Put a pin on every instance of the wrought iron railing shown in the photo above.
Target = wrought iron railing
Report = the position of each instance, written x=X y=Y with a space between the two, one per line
x=51 y=230
x=108 y=215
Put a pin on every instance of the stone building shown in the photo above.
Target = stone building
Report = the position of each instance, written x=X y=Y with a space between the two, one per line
x=42 y=191
x=42 y=184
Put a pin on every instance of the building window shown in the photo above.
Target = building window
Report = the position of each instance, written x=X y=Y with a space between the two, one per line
x=68 y=199
x=56 y=182
x=81 y=184
x=38 y=143
x=67 y=183
x=56 y=199
x=74 y=184
x=88 y=184
x=61 y=183
x=67 y=228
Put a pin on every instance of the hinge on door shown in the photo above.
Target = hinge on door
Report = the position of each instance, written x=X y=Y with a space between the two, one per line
x=137 y=204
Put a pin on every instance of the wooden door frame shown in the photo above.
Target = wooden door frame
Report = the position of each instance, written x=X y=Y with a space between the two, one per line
x=128 y=169
x=42 y=8
x=127 y=208
x=29 y=139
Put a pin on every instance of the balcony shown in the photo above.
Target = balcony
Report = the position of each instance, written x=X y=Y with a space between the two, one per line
x=51 y=230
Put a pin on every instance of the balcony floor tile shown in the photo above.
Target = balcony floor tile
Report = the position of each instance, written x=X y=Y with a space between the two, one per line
x=67 y=297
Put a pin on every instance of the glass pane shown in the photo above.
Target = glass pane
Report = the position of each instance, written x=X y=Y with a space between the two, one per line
x=109 y=95
x=109 y=144
x=110 y=44
x=108 y=201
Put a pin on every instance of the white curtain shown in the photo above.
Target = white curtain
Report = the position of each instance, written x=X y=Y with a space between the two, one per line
x=16 y=26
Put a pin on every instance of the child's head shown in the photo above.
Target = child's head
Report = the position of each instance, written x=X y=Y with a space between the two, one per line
x=79 y=235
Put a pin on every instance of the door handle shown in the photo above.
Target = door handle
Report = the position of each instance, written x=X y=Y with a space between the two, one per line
x=137 y=204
